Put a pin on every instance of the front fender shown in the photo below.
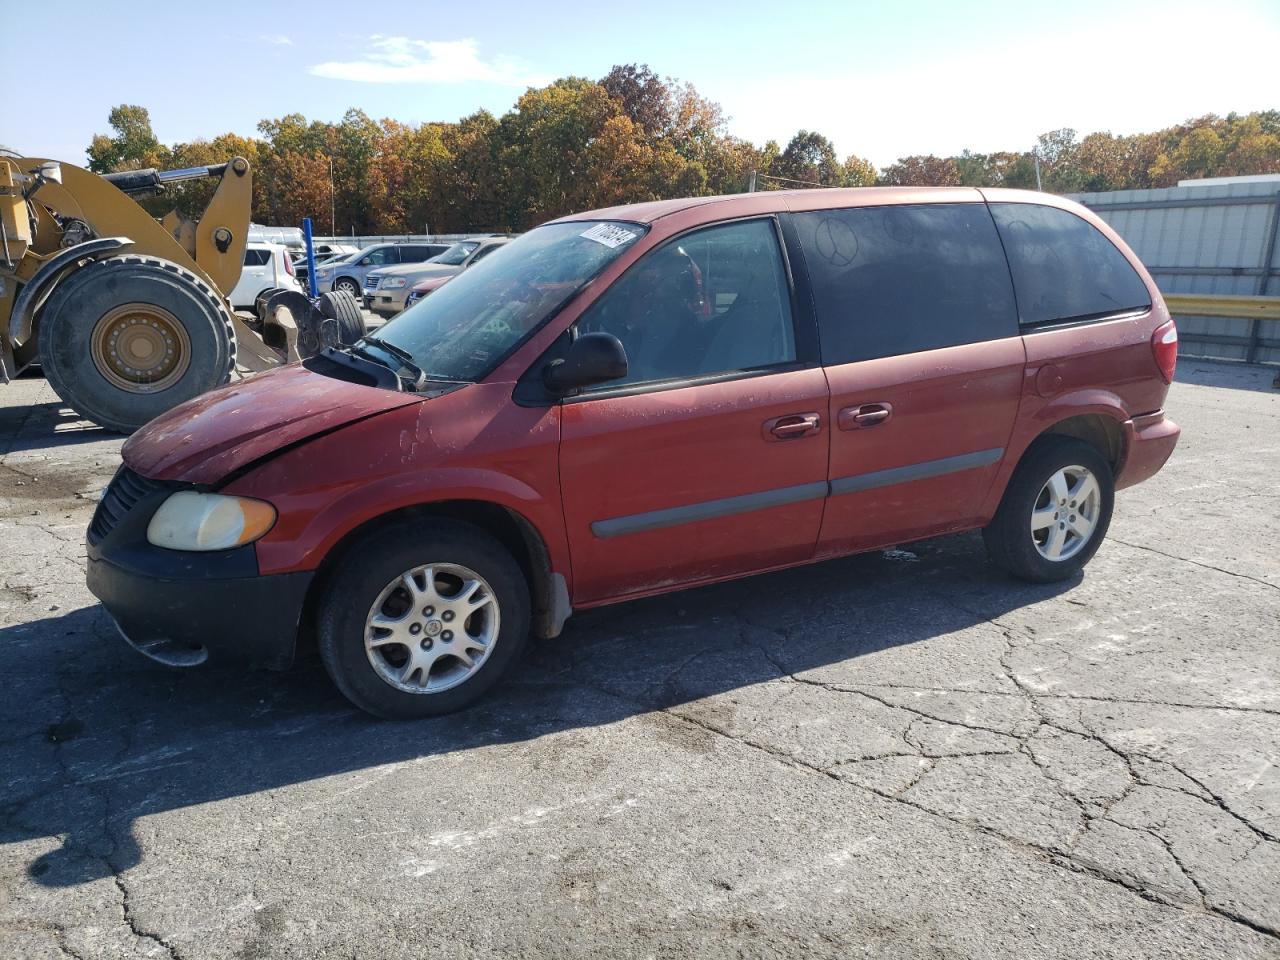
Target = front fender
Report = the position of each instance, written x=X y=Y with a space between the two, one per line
x=331 y=486
x=35 y=290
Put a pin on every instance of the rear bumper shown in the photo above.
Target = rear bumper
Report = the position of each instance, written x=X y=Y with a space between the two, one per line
x=1148 y=442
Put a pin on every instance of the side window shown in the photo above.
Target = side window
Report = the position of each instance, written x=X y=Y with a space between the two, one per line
x=1063 y=267
x=416 y=253
x=380 y=257
x=901 y=279
x=713 y=301
x=256 y=258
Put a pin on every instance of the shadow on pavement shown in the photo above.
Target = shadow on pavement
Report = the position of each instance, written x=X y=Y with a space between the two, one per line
x=95 y=736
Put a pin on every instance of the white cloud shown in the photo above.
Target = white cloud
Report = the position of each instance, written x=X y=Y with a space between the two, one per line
x=1141 y=76
x=277 y=40
x=405 y=60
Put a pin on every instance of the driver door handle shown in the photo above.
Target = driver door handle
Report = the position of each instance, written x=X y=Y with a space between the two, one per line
x=864 y=415
x=792 y=427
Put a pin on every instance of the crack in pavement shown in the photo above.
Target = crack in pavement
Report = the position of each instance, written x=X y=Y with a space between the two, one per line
x=1061 y=856
x=1197 y=563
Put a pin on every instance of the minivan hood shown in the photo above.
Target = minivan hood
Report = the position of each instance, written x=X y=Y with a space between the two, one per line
x=205 y=439
x=419 y=271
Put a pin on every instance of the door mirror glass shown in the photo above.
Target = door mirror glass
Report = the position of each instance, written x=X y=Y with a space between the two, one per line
x=592 y=358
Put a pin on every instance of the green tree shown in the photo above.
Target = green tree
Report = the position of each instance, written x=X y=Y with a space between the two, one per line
x=133 y=146
x=808 y=160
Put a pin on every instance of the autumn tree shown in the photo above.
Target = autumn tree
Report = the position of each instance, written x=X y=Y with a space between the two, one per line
x=576 y=144
x=643 y=97
x=922 y=171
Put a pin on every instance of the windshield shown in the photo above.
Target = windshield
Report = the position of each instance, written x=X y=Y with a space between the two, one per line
x=457 y=253
x=465 y=328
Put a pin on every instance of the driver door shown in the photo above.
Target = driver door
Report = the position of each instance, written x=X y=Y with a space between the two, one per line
x=709 y=459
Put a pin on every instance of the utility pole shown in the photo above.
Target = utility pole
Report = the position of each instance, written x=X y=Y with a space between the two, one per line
x=333 y=206
x=751 y=182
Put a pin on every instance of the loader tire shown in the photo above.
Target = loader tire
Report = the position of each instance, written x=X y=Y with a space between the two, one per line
x=341 y=306
x=124 y=339
x=29 y=353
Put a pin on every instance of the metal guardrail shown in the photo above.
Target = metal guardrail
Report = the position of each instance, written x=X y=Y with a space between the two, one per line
x=1263 y=314
x=1210 y=305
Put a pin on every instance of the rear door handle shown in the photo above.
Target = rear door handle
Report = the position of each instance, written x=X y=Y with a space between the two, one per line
x=792 y=427
x=864 y=415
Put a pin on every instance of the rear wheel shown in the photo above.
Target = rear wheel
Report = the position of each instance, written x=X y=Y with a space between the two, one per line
x=1055 y=511
x=423 y=620
x=123 y=340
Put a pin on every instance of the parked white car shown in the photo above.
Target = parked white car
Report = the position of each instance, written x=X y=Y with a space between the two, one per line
x=265 y=265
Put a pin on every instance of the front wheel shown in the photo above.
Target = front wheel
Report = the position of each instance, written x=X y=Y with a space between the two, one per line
x=347 y=285
x=423 y=620
x=1055 y=511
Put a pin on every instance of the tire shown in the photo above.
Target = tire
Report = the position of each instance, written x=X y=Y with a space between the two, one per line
x=376 y=564
x=347 y=285
x=77 y=351
x=1019 y=538
x=336 y=305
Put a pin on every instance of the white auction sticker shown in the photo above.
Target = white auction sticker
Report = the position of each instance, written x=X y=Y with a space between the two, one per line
x=610 y=234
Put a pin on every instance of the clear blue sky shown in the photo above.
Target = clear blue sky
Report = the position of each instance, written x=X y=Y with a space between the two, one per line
x=880 y=79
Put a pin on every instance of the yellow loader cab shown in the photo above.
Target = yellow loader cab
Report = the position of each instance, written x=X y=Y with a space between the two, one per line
x=127 y=315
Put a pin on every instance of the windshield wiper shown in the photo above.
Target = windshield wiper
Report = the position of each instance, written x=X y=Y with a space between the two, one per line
x=359 y=348
x=405 y=357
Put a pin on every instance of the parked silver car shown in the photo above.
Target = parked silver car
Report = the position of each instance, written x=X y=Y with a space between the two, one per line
x=386 y=291
x=348 y=274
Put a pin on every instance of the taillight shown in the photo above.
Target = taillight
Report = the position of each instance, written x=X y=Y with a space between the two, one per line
x=288 y=266
x=1164 y=347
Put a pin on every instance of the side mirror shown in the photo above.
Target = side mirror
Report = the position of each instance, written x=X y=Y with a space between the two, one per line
x=592 y=358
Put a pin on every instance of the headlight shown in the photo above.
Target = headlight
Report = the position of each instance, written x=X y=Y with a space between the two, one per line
x=395 y=283
x=208 y=521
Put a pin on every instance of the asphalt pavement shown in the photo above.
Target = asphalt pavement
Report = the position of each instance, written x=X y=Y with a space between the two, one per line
x=904 y=754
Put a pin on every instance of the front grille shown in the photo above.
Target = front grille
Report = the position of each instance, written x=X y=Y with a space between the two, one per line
x=371 y=282
x=122 y=494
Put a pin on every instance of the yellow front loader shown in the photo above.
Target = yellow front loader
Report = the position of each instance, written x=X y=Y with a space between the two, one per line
x=128 y=315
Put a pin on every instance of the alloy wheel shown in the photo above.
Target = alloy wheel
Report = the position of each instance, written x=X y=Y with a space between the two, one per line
x=432 y=628
x=1066 y=513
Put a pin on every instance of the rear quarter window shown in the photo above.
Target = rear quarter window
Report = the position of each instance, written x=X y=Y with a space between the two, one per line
x=256 y=258
x=1063 y=267
x=902 y=279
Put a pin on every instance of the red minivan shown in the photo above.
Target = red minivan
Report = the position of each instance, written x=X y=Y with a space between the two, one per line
x=639 y=399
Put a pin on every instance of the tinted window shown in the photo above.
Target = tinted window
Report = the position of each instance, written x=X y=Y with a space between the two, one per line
x=714 y=301
x=1063 y=267
x=416 y=253
x=894 y=280
x=257 y=258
